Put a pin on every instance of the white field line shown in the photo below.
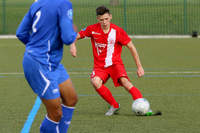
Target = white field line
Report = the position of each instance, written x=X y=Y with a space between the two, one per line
x=74 y=73
x=183 y=72
x=159 y=36
x=131 y=36
x=8 y=37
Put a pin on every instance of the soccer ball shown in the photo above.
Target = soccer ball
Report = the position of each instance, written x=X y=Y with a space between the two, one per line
x=141 y=106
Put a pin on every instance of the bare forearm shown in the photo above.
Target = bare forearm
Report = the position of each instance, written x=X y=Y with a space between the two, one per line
x=140 y=70
x=73 y=49
x=77 y=38
x=134 y=53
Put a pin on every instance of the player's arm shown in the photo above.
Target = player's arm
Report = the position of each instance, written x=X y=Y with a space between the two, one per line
x=24 y=29
x=134 y=53
x=82 y=34
x=73 y=49
x=65 y=12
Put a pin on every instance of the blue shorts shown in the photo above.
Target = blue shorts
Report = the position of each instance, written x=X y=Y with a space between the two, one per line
x=42 y=81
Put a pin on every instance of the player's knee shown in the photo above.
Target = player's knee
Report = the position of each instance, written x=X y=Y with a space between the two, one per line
x=55 y=113
x=125 y=82
x=72 y=101
x=96 y=82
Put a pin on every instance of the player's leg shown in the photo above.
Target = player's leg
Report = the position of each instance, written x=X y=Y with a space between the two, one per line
x=54 y=114
x=69 y=98
x=103 y=91
x=99 y=77
x=68 y=93
x=42 y=83
x=97 y=82
x=120 y=78
x=50 y=97
x=135 y=92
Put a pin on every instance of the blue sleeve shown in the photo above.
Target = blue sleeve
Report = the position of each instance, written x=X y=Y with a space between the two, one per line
x=24 y=29
x=65 y=12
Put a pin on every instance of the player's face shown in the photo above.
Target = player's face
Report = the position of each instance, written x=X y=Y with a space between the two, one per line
x=104 y=20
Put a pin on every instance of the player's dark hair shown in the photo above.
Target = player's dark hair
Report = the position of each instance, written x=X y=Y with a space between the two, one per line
x=101 y=10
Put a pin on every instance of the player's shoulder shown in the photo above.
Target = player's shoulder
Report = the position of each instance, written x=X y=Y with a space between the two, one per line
x=36 y=5
x=51 y=2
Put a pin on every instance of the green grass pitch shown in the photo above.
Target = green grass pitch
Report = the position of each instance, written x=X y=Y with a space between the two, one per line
x=171 y=84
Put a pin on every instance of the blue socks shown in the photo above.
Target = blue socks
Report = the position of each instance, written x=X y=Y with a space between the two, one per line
x=66 y=118
x=49 y=126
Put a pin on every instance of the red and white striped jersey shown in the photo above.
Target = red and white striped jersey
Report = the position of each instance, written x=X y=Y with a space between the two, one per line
x=107 y=47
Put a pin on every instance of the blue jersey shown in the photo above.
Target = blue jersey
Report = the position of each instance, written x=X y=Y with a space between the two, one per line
x=45 y=28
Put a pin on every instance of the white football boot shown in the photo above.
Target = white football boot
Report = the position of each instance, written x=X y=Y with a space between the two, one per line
x=112 y=111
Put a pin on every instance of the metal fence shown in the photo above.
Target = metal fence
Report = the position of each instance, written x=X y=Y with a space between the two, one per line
x=137 y=17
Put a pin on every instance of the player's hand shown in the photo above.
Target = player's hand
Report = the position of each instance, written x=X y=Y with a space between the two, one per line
x=73 y=49
x=140 y=72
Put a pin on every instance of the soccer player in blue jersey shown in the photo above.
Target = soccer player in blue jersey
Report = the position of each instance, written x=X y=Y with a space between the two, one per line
x=44 y=29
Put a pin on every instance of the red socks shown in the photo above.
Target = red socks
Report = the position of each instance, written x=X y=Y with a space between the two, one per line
x=135 y=93
x=105 y=93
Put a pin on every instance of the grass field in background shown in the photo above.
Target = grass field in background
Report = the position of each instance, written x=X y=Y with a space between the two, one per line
x=171 y=84
x=138 y=17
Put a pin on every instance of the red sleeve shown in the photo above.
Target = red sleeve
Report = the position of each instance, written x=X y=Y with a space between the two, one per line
x=85 y=32
x=123 y=37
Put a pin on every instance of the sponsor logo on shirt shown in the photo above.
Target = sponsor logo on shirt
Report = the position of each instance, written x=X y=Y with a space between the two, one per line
x=55 y=91
x=100 y=47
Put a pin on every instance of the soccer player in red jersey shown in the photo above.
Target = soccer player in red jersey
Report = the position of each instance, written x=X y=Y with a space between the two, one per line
x=107 y=40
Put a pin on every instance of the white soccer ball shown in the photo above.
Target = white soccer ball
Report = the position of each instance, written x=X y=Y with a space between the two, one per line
x=141 y=106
